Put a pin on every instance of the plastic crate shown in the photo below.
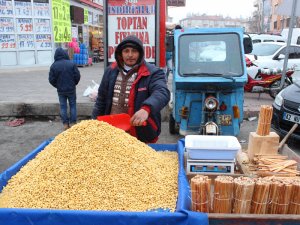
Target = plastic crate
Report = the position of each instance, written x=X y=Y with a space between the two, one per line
x=211 y=147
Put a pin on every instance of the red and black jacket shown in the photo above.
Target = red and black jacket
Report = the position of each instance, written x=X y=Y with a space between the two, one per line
x=149 y=91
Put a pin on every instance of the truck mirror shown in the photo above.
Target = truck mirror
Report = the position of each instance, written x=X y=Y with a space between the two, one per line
x=247 y=44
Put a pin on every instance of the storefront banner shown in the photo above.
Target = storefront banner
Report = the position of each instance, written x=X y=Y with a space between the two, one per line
x=86 y=16
x=129 y=17
x=23 y=8
x=42 y=25
x=61 y=21
x=41 y=9
x=43 y=41
x=6 y=25
x=26 y=41
x=7 y=41
x=24 y=25
x=6 y=8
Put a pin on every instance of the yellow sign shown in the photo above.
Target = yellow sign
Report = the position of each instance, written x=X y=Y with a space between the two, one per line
x=86 y=16
x=61 y=21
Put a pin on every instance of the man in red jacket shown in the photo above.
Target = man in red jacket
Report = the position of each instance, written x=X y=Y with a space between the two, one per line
x=131 y=85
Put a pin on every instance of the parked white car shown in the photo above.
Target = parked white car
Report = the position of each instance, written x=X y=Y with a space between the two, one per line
x=259 y=38
x=295 y=39
x=270 y=55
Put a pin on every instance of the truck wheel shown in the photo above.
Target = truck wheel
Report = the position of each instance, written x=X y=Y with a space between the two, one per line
x=276 y=84
x=173 y=129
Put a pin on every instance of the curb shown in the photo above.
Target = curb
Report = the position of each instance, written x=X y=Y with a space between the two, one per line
x=84 y=110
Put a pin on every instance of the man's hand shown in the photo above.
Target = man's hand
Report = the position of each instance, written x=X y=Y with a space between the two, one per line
x=139 y=118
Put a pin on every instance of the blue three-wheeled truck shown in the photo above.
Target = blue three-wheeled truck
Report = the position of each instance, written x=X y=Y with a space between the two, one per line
x=209 y=74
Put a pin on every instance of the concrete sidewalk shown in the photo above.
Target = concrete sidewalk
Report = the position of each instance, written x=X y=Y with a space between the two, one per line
x=27 y=92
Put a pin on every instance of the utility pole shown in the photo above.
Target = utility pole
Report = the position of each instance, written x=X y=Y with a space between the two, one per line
x=262 y=16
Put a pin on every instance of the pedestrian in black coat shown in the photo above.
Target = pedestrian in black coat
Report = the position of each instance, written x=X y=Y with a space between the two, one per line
x=64 y=76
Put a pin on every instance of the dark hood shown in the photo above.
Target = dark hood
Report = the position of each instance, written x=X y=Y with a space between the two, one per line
x=129 y=41
x=61 y=54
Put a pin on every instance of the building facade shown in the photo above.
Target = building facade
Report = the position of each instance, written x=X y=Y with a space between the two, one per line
x=214 y=21
x=267 y=20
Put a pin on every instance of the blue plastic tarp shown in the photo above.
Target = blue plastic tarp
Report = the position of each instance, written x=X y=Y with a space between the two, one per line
x=182 y=215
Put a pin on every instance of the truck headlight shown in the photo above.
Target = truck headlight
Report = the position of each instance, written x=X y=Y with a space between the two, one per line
x=211 y=103
x=279 y=99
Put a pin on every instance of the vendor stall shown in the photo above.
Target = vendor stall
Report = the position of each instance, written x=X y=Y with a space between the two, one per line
x=47 y=161
x=205 y=189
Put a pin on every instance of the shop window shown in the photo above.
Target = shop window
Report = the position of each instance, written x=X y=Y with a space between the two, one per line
x=275 y=25
x=27 y=57
x=77 y=14
x=8 y=58
x=44 y=57
x=287 y=22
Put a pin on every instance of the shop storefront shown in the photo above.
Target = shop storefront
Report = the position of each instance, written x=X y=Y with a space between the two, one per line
x=31 y=30
x=87 y=26
x=25 y=32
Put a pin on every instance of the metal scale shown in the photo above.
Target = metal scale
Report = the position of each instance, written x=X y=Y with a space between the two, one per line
x=210 y=166
x=211 y=154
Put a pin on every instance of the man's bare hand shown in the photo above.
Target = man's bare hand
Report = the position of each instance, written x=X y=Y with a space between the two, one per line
x=139 y=118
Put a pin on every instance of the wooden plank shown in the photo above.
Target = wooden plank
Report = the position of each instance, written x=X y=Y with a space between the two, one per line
x=291 y=155
x=262 y=144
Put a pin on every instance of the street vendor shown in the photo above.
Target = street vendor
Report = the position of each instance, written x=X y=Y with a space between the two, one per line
x=132 y=85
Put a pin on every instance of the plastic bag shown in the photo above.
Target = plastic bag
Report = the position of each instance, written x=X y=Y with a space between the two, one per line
x=87 y=91
x=91 y=89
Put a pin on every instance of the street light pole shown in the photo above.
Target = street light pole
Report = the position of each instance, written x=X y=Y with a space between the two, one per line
x=291 y=26
x=262 y=16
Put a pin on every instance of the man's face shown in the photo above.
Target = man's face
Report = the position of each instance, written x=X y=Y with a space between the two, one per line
x=130 y=56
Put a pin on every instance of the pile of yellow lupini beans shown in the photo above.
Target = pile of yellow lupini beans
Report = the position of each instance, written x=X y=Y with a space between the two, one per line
x=95 y=166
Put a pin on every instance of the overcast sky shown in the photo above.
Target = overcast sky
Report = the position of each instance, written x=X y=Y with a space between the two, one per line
x=232 y=8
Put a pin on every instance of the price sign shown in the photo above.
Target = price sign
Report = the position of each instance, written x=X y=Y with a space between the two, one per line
x=41 y=9
x=24 y=25
x=26 y=41
x=6 y=8
x=62 y=33
x=23 y=8
x=6 y=25
x=43 y=41
x=61 y=21
x=56 y=8
x=42 y=25
x=7 y=41
x=86 y=16
x=65 y=15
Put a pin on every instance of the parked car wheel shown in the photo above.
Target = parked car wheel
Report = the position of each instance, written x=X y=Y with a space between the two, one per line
x=276 y=84
x=173 y=128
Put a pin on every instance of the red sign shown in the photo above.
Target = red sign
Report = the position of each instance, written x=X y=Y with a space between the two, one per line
x=131 y=17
